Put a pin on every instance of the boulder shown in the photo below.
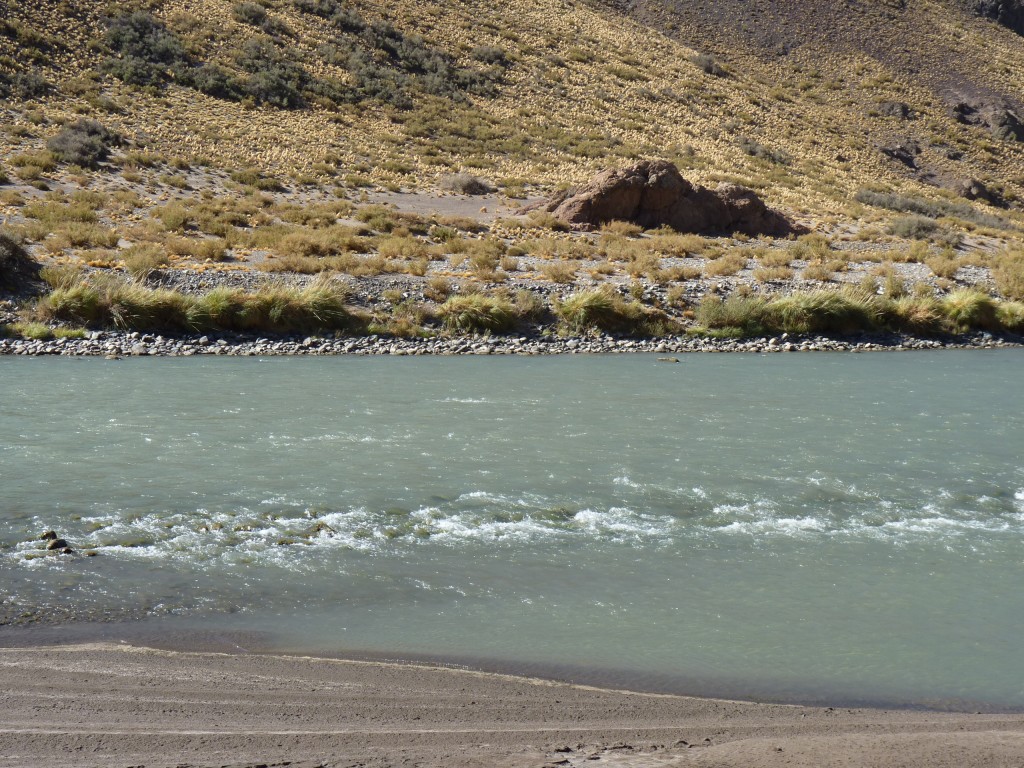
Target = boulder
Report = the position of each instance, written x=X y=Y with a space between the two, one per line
x=653 y=193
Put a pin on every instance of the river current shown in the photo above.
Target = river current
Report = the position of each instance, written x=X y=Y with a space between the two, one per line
x=833 y=528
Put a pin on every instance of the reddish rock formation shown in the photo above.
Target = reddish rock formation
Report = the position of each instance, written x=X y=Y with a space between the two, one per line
x=653 y=193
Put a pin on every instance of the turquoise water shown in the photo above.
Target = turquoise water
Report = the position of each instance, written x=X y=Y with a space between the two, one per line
x=835 y=528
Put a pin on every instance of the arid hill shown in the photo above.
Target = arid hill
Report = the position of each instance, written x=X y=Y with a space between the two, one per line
x=807 y=101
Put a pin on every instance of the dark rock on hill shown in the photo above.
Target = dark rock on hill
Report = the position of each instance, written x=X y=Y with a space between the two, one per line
x=1009 y=13
x=904 y=151
x=18 y=271
x=997 y=115
x=654 y=194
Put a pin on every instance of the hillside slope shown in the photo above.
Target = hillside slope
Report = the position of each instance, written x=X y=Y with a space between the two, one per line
x=545 y=92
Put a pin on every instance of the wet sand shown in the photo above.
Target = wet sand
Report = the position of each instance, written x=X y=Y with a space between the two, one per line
x=105 y=704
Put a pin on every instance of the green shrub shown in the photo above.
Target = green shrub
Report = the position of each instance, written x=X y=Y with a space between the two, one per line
x=274 y=78
x=35 y=331
x=146 y=53
x=920 y=315
x=969 y=308
x=821 y=312
x=738 y=316
x=476 y=312
x=110 y=302
x=1011 y=316
x=605 y=309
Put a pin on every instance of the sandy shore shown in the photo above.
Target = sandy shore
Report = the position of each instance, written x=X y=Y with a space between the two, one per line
x=118 y=705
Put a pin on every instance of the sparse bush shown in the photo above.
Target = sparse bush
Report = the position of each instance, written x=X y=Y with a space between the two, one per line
x=917 y=227
x=817 y=271
x=729 y=264
x=678 y=244
x=560 y=271
x=464 y=184
x=545 y=220
x=201 y=249
x=708 y=64
x=53 y=213
x=621 y=228
x=771 y=274
x=943 y=266
x=85 y=142
x=401 y=247
x=774 y=258
x=930 y=208
x=140 y=261
x=756 y=149
x=377 y=217
x=1008 y=272
x=437 y=288
x=82 y=235
x=174 y=216
x=253 y=14
x=490 y=54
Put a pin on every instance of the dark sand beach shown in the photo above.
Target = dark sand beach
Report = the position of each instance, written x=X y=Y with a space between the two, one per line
x=118 y=705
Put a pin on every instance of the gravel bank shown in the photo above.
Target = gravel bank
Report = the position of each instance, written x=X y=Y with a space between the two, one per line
x=135 y=344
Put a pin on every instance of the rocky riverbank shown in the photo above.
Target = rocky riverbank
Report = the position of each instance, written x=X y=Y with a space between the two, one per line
x=113 y=344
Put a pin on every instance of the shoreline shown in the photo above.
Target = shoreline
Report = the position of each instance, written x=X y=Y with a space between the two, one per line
x=106 y=703
x=137 y=344
x=162 y=634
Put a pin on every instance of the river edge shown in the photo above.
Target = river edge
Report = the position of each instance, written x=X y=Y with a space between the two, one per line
x=176 y=634
x=125 y=704
x=137 y=344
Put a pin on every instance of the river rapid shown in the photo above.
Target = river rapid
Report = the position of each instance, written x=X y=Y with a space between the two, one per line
x=830 y=528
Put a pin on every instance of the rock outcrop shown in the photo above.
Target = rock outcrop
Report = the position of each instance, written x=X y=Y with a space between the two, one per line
x=653 y=194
